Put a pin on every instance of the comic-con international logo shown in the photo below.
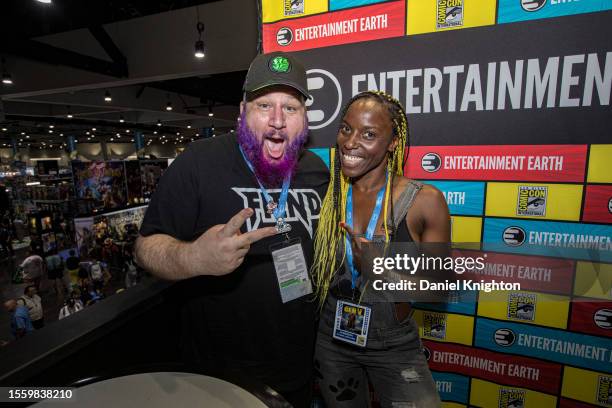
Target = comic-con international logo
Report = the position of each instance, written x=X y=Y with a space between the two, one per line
x=434 y=325
x=511 y=398
x=603 y=319
x=522 y=306
x=504 y=337
x=532 y=5
x=431 y=162
x=532 y=201
x=604 y=390
x=293 y=7
x=284 y=36
x=325 y=98
x=514 y=236
x=449 y=13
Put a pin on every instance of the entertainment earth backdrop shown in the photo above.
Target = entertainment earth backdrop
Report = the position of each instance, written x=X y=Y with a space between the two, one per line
x=508 y=106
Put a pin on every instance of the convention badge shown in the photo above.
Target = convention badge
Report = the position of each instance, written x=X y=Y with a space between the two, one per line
x=352 y=323
x=291 y=269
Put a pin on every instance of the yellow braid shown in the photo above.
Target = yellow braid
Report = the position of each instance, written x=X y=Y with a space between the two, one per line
x=333 y=209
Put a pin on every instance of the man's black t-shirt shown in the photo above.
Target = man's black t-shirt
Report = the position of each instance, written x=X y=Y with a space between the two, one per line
x=237 y=322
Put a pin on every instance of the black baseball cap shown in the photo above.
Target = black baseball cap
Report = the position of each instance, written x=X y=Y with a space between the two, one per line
x=276 y=68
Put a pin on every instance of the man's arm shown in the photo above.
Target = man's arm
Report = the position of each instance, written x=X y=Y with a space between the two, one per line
x=162 y=255
x=218 y=251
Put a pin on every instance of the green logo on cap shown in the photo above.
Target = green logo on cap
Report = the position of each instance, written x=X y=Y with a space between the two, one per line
x=280 y=64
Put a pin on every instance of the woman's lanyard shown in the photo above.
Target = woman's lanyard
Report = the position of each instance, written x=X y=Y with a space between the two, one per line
x=369 y=232
x=276 y=210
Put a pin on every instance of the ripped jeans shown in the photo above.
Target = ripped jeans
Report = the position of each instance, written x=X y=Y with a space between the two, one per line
x=393 y=362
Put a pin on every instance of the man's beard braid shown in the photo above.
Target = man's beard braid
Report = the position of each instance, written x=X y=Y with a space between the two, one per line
x=270 y=174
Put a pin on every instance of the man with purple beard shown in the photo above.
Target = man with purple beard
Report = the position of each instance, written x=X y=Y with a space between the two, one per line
x=234 y=217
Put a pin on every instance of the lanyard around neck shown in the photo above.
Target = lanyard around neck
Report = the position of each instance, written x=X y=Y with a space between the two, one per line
x=369 y=231
x=279 y=210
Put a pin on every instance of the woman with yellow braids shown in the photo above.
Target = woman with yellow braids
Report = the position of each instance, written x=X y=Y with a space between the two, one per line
x=379 y=341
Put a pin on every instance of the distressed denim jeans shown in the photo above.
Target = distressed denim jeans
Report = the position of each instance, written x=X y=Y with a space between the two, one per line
x=393 y=363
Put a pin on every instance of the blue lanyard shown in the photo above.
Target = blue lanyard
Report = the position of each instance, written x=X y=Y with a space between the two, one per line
x=369 y=232
x=279 y=211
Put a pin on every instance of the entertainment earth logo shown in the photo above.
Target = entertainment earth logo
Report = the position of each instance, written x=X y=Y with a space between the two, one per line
x=532 y=5
x=431 y=162
x=325 y=98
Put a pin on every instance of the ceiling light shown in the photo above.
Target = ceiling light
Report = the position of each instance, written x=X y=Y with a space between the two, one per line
x=127 y=131
x=188 y=126
x=155 y=132
x=6 y=78
x=87 y=133
x=107 y=97
x=4 y=129
x=210 y=111
x=93 y=129
x=44 y=1
x=51 y=126
x=69 y=115
x=117 y=134
x=27 y=136
x=200 y=51
x=158 y=122
x=112 y=139
x=169 y=106
x=121 y=120
x=50 y=131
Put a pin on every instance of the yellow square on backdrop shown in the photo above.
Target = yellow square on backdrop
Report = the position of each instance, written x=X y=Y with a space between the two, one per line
x=600 y=161
x=275 y=10
x=486 y=394
x=544 y=309
x=593 y=280
x=557 y=201
x=428 y=16
x=465 y=229
x=452 y=405
x=444 y=327
x=587 y=386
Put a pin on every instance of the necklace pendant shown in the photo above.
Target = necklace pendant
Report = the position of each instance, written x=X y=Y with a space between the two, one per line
x=271 y=206
x=282 y=226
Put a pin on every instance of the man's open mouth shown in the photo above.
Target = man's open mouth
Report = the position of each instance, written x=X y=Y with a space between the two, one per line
x=274 y=146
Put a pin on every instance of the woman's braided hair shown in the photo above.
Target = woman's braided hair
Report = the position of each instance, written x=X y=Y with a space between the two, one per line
x=333 y=209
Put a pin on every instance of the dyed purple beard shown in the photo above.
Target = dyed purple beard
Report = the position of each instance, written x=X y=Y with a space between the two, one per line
x=270 y=174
